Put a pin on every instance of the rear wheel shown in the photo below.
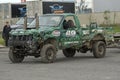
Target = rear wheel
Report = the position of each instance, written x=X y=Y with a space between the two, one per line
x=69 y=52
x=14 y=56
x=99 y=49
x=48 y=53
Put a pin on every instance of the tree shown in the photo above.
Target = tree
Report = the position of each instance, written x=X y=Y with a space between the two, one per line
x=107 y=17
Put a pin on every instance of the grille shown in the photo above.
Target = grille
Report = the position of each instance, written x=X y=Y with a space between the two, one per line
x=22 y=37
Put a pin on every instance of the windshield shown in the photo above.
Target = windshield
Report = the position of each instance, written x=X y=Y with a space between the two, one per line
x=21 y=21
x=47 y=20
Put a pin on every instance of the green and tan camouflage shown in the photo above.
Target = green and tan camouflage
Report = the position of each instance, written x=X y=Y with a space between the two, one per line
x=51 y=36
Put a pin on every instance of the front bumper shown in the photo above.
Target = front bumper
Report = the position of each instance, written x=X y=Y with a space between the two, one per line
x=14 y=43
x=23 y=43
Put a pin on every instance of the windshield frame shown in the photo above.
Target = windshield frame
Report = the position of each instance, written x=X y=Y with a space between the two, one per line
x=34 y=21
x=54 y=15
x=21 y=21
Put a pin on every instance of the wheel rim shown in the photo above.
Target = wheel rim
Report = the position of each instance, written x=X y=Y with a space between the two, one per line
x=15 y=54
x=49 y=54
x=101 y=49
x=14 y=57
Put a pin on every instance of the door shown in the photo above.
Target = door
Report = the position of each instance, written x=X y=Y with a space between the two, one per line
x=70 y=34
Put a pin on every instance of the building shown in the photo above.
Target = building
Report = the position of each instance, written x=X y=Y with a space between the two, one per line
x=48 y=7
x=10 y=12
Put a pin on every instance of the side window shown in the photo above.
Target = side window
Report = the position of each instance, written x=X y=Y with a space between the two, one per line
x=69 y=22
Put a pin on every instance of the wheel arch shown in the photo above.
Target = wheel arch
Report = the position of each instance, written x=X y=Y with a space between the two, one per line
x=97 y=37
x=52 y=41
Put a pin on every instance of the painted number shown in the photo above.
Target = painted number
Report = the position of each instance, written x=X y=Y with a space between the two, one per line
x=70 y=33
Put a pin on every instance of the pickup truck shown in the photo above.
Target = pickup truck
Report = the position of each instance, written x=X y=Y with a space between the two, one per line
x=52 y=32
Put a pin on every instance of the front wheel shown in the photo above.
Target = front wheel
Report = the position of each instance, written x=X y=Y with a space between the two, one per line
x=69 y=52
x=14 y=56
x=48 y=53
x=99 y=49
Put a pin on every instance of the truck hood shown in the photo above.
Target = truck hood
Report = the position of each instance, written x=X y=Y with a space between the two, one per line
x=23 y=32
x=16 y=26
x=41 y=30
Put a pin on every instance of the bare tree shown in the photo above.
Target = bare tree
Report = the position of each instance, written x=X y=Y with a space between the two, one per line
x=107 y=17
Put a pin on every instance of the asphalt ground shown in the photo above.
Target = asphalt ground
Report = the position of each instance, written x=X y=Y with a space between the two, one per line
x=81 y=67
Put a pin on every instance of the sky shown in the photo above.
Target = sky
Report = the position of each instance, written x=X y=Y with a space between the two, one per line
x=10 y=1
x=17 y=1
x=109 y=5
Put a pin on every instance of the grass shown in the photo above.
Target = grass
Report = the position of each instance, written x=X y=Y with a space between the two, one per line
x=1 y=40
x=116 y=29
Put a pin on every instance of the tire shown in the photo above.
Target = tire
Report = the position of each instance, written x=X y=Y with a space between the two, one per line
x=69 y=52
x=48 y=53
x=99 y=49
x=15 y=58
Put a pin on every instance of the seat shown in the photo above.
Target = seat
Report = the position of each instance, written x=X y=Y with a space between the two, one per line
x=65 y=26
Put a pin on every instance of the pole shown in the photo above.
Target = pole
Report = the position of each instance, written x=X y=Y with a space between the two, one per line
x=25 y=22
x=37 y=20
